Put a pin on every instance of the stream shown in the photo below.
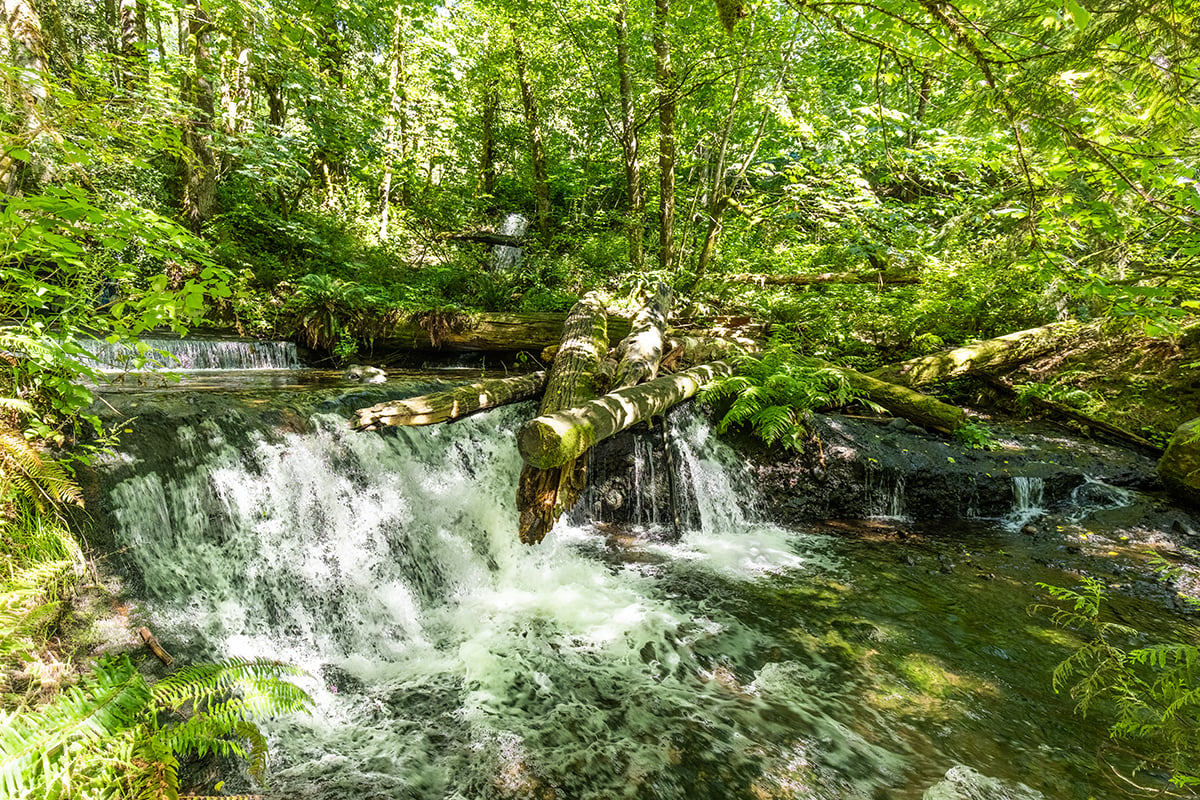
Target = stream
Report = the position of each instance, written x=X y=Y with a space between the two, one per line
x=741 y=659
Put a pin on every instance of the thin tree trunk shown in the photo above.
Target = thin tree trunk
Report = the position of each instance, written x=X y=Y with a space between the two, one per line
x=396 y=103
x=487 y=158
x=664 y=78
x=914 y=135
x=541 y=183
x=629 y=143
x=199 y=165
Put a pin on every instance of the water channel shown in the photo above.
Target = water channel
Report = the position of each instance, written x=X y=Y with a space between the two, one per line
x=842 y=659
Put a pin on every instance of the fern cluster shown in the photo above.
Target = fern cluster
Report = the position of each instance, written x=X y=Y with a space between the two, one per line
x=118 y=736
x=773 y=394
x=1155 y=690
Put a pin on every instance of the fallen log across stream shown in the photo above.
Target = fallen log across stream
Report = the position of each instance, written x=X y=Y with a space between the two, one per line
x=562 y=436
x=452 y=404
x=543 y=494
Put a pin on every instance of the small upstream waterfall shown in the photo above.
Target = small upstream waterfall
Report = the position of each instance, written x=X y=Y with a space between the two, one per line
x=505 y=257
x=162 y=353
x=1028 y=499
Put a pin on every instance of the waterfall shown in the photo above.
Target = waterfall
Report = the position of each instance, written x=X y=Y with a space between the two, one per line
x=505 y=257
x=162 y=353
x=1028 y=497
x=444 y=656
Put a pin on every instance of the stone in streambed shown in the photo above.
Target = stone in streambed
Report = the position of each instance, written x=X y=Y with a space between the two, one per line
x=1179 y=467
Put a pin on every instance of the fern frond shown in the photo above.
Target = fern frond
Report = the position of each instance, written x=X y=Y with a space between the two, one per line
x=24 y=473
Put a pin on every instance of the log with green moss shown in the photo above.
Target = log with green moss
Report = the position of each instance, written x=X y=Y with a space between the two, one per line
x=451 y=404
x=543 y=494
x=878 y=278
x=566 y=435
x=996 y=355
x=642 y=350
x=484 y=332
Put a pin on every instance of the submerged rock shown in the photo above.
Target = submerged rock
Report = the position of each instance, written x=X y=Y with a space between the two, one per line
x=357 y=372
x=1179 y=468
x=964 y=783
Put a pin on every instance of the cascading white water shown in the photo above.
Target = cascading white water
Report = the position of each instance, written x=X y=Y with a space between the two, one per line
x=162 y=353
x=1028 y=497
x=448 y=660
x=505 y=257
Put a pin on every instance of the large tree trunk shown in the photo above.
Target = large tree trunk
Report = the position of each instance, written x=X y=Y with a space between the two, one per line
x=488 y=333
x=537 y=151
x=132 y=23
x=999 y=354
x=881 y=278
x=565 y=436
x=199 y=166
x=629 y=143
x=28 y=58
x=543 y=494
x=641 y=351
x=490 y=100
x=452 y=404
x=664 y=78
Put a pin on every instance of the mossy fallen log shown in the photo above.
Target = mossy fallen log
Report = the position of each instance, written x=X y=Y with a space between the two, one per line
x=928 y=412
x=485 y=332
x=543 y=494
x=451 y=404
x=878 y=278
x=996 y=355
x=563 y=436
x=642 y=350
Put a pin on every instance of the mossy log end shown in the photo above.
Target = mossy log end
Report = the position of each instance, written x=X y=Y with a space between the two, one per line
x=566 y=435
x=487 y=333
x=642 y=350
x=999 y=354
x=452 y=404
x=543 y=494
x=878 y=278
x=926 y=411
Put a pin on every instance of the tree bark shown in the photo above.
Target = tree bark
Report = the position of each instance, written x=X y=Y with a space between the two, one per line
x=394 y=123
x=488 y=333
x=487 y=156
x=452 y=404
x=132 y=22
x=926 y=411
x=642 y=350
x=999 y=354
x=543 y=494
x=883 y=278
x=664 y=78
x=199 y=167
x=566 y=435
x=629 y=143
x=537 y=151
x=28 y=58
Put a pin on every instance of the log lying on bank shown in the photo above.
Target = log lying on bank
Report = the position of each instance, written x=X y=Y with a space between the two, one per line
x=566 y=435
x=692 y=351
x=999 y=354
x=642 y=350
x=486 y=333
x=882 y=278
x=928 y=412
x=452 y=404
x=543 y=494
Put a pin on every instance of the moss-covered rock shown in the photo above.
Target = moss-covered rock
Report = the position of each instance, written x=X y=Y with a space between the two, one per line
x=1179 y=468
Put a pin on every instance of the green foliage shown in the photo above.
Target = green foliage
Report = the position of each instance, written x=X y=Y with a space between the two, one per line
x=117 y=735
x=773 y=394
x=1152 y=690
x=1058 y=392
x=976 y=435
